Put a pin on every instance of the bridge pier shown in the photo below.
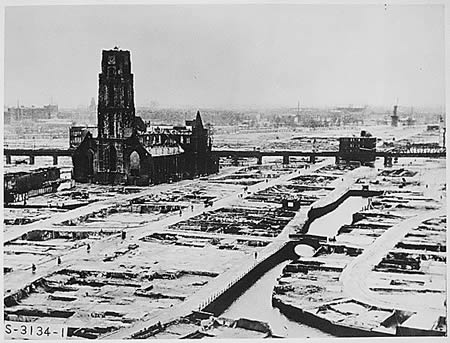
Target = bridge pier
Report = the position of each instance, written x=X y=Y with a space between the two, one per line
x=285 y=159
x=312 y=159
x=8 y=159
x=55 y=160
x=32 y=159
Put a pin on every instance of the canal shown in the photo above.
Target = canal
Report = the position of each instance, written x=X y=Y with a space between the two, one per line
x=330 y=223
x=256 y=303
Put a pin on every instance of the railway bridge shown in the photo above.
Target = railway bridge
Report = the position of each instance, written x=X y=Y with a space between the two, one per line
x=412 y=151
x=32 y=153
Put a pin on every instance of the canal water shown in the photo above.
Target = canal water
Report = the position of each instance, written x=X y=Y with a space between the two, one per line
x=256 y=303
x=330 y=223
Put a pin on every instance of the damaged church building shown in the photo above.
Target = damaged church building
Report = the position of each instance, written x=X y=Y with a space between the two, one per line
x=129 y=151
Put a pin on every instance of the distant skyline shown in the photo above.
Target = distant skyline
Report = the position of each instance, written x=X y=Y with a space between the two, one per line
x=219 y=56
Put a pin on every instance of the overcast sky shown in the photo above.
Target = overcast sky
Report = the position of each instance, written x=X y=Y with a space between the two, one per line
x=230 y=55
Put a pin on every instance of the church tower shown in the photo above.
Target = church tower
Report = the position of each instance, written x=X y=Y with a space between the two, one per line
x=126 y=150
x=115 y=113
x=115 y=96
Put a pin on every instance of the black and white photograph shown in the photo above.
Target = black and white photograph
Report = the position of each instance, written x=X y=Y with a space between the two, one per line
x=224 y=170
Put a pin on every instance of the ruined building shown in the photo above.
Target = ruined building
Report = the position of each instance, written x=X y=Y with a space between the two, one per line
x=127 y=150
x=358 y=149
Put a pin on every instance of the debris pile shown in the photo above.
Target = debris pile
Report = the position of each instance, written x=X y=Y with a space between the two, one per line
x=239 y=221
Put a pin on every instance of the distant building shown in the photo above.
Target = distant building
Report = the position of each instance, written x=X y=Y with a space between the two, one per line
x=358 y=149
x=442 y=130
x=352 y=109
x=394 y=117
x=127 y=150
x=17 y=114
x=78 y=133
x=410 y=121
x=92 y=106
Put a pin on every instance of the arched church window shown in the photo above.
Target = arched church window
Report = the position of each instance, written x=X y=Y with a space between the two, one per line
x=135 y=163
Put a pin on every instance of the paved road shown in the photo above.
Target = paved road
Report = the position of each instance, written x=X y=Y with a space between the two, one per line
x=222 y=282
x=355 y=276
x=109 y=244
x=17 y=231
x=17 y=279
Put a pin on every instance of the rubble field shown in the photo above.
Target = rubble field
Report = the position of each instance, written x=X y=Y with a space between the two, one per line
x=414 y=268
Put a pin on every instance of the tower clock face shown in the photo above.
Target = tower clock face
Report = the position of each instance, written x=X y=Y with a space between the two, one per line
x=111 y=59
